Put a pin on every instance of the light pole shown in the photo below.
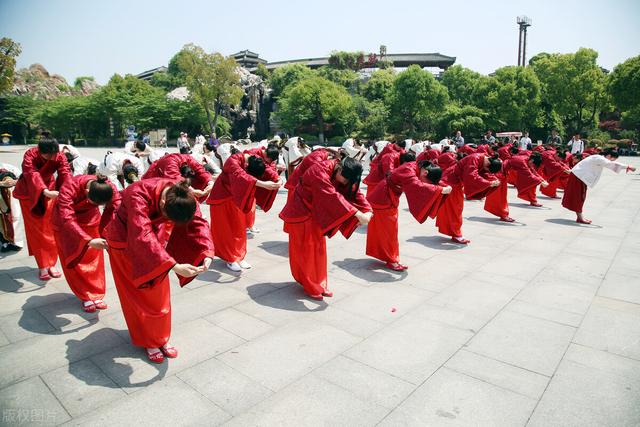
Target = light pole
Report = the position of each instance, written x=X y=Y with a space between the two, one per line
x=523 y=22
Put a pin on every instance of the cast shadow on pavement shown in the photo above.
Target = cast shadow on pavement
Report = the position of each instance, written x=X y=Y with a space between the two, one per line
x=495 y=221
x=279 y=248
x=289 y=296
x=9 y=284
x=370 y=270
x=528 y=206
x=437 y=242
x=564 y=221
x=55 y=305
x=109 y=365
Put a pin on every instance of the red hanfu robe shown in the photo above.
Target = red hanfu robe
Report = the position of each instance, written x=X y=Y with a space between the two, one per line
x=424 y=200
x=250 y=217
x=232 y=197
x=316 y=210
x=475 y=180
x=168 y=167
x=76 y=221
x=554 y=171
x=575 y=194
x=309 y=160
x=449 y=219
x=467 y=149
x=526 y=179
x=504 y=152
x=143 y=247
x=446 y=160
x=382 y=165
x=37 y=176
x=432 y=155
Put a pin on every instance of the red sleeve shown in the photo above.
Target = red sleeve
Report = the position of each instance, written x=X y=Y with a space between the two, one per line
x=328 y=207
x=63 y=170
x=525 y=176
x=191 y=244
x=202 y=177
x=75 y=242
x=147 y=253
x=242 y=186
x=475 y=184
x=110 y=209
x=389 y=162
x=264 y=197
x=31 y=183
x=424 y=199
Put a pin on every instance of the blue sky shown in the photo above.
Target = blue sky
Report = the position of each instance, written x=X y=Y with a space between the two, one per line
x=99 y=38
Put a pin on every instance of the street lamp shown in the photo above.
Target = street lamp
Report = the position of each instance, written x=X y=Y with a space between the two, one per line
x=523 y=22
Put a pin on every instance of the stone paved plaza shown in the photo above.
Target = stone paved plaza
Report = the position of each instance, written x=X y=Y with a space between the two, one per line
x=535 y=323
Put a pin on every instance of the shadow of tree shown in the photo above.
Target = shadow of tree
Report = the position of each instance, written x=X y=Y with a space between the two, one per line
x=290 y=297
x=436 y=242
x=370 y=270
x=77 y=348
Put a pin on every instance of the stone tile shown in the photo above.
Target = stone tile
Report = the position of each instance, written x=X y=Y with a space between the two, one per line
x=480 y=299
x=223 y=385
x=82 y=387
x=384 y=304
x=13 y=302
x=3 y=339
x=619 y=286
x=67 y=312
x=500 y=374
x=203 y=301
x=363 y=271
x=287 y=353
x=437 y=273
x=613 y=327
x=411 y=348
x=561 y=295
x=543 y=312
x=523 y=341
x=366 y=383
x=451 y=398
x=591 y=388
x=31 y=403
x=24 y=324
x=312 y=401
x=450 y=316
x=505 y=266
x=196 y=341
x=24 y=359
x=168 y=402
x=240 y=324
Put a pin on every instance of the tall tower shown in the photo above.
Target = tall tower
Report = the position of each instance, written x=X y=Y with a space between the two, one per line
x=523 y=22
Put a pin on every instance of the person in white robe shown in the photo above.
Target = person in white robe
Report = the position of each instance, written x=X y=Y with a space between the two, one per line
x=113 y=167
x=17 y=242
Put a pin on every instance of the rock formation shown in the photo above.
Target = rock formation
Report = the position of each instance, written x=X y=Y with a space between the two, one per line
x=37 y=82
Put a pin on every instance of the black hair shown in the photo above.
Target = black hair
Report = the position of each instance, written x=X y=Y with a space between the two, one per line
x=610 y=152
x=185 y=150
x=140 y=146
x=92 y=169
x=100 y=191
x=272 y=152
x=209 y=146
x=562 y=154
x=179 y=203
x=256 y=166
x=434 y=172
x=407 y=157
x=460 y=155
x=69 y=157
x=48 y=145
x=207 y=167
x=186 y=171
x=130 y=173
x=495 y=164
x=351 y=169
x=446 y=148
x=536 y=158
x=401 y=144
x=234 y=150
x=514 y=149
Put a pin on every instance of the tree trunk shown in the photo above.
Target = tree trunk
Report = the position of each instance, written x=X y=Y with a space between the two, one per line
x=216 y=114
x=320 y=127
x=211 y=123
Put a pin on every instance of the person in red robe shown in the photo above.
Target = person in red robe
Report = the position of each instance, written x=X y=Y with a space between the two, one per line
x=78 y=225
x=9 y=210
x=384 y=163
x=419 y=182
x=36 y=190
x=178 y=167
x=314 y=157
x=504 y=151
x=554 y=171
x=446 y=159
x=326 y=200
x=244 y=180
x=527 y=178
x=155 y=231
x=269 y=155
x=483 y=178
x=470 y=175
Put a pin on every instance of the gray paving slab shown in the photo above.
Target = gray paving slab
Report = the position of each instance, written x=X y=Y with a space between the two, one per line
x=31 y=403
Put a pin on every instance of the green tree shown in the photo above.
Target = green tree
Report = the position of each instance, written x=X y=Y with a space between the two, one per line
x=462 y=84
x=317 y=101
x=469 y=120
x=574 y=85
x=415 y=98
x=288 y=75
x=341 y=60
x=262 y=71
x=9 y=50
x=373 y=118
x=624 y=88
x=378 y=87
x=212 y=80
x=344 y=77
x=511 y=98
x=19 y=116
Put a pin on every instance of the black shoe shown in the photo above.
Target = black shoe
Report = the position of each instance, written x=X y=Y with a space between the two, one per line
x=10 y=247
